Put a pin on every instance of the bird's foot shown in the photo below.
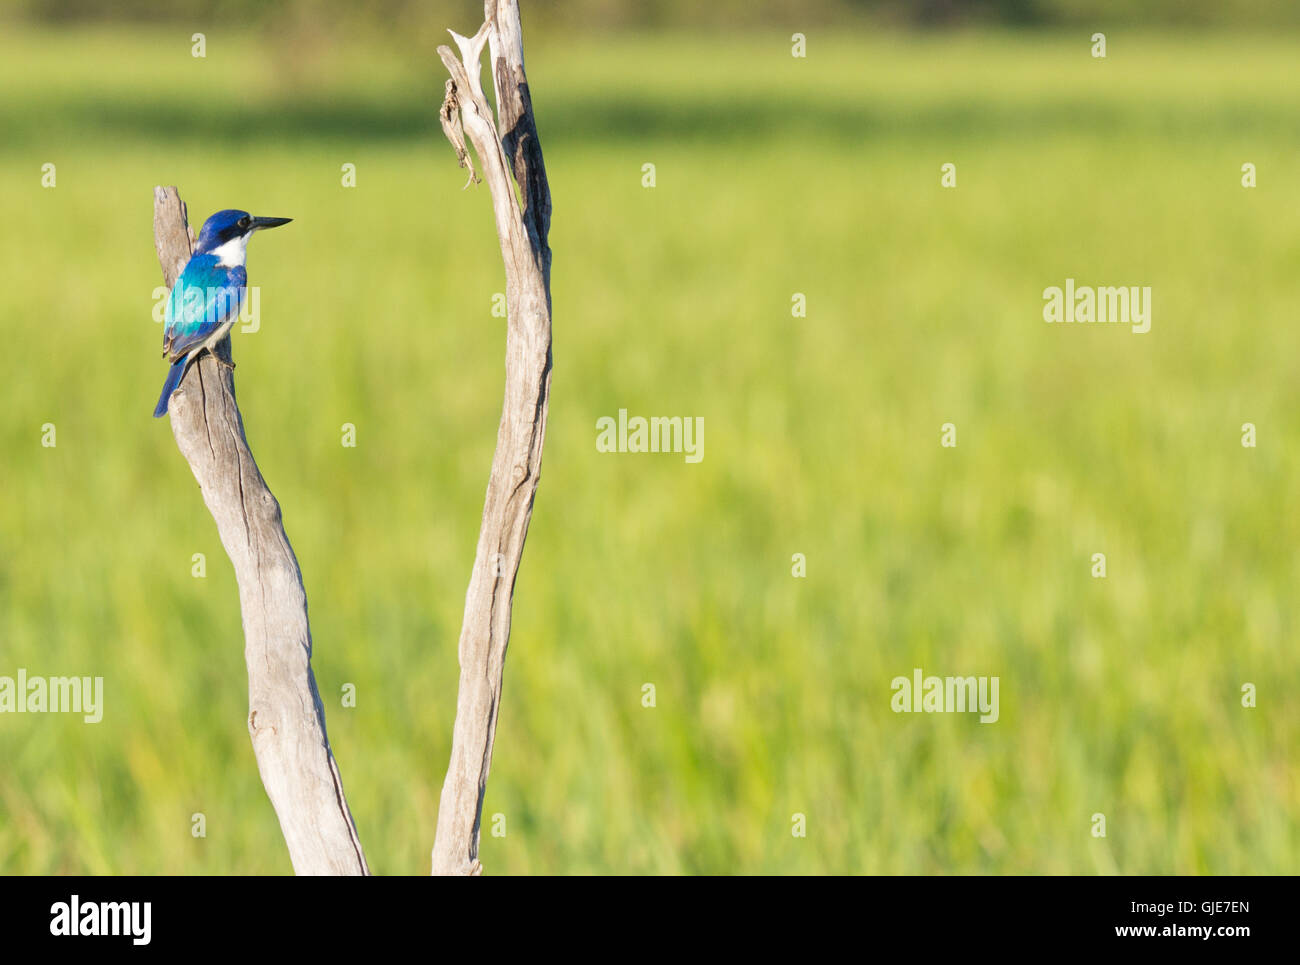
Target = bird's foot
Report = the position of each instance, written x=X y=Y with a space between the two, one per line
x=220 y=361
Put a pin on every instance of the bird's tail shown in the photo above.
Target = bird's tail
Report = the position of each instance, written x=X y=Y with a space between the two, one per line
x=173 y=380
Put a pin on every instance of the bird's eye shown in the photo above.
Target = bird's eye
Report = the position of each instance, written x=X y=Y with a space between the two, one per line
x=245 y=221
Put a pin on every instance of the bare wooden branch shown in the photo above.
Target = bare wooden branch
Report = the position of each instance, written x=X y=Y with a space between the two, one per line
x=516 y=464
x=286 y=719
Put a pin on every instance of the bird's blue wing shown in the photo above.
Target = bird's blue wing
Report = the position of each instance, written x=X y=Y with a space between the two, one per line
x=205 y=297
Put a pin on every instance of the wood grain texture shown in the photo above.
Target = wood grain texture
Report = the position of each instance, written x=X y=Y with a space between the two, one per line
x=516 y=464
x=286 y=719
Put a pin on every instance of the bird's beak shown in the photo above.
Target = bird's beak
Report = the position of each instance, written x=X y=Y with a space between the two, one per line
x=259 y=223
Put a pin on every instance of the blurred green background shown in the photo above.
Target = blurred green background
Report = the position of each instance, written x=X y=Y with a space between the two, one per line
x=774 y=175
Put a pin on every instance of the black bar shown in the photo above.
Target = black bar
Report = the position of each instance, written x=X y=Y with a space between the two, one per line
x=927 y=914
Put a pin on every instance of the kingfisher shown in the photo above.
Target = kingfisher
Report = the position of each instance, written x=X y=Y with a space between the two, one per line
x=208 y=294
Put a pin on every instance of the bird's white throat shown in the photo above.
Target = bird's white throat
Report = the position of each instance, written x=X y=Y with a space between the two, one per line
x=234 y=252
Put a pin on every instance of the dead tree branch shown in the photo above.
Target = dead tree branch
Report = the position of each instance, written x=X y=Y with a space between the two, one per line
x=516 y=464
x=286 y=719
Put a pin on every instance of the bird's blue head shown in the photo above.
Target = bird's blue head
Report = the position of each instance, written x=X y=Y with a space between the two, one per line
x=226 y=234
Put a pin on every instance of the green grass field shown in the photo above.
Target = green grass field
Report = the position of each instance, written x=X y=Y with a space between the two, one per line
x=775 y=175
